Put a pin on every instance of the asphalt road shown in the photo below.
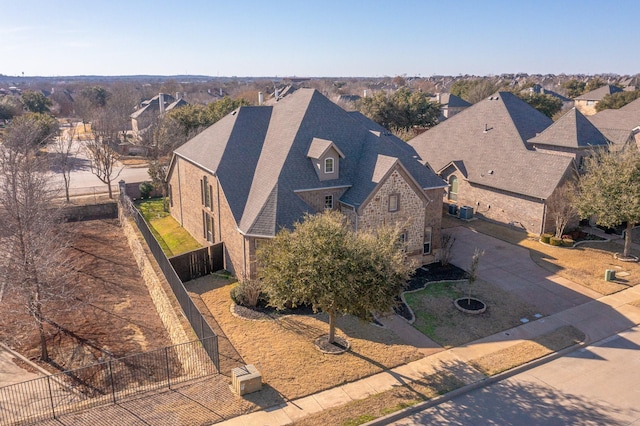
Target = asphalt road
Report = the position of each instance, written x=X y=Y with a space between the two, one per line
x=596 y=385
x=83 y=181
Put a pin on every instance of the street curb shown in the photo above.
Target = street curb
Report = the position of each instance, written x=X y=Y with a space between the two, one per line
x=389 y=418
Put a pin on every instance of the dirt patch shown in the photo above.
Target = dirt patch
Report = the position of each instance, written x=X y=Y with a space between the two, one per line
x=112 y=315
x=283 y=349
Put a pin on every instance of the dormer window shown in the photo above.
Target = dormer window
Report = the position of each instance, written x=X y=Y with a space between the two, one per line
x=325 y=157
x=328 y=165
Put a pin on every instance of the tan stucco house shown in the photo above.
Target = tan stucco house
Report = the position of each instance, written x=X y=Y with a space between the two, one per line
x=587 y=102
x=485 y=155
x=262 y=168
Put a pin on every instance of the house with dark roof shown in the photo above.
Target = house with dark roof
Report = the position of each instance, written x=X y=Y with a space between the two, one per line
x=573 y=135
x=586 y=103
x=620 y=126
x=450 y=104
x=261 y=168
x=484 y=155
x=150 y=109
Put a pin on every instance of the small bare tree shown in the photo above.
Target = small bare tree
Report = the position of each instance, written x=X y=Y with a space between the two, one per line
x=446 y=244
x=473 y=270
x=32 y=261
x=65 y=152
x=561 y=206
x=103 y=160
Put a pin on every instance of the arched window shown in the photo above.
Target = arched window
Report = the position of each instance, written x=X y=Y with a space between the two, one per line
x=453 y=188
x=328 y=165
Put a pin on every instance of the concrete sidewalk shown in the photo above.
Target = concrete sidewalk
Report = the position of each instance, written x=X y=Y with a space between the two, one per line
x=598 y=319
x=561 y=302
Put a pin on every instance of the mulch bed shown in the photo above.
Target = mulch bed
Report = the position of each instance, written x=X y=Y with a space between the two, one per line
x=434 y=272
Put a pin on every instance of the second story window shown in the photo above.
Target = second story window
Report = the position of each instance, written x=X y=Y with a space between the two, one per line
x=328 y=202
x=393 y=203
x=328 y=165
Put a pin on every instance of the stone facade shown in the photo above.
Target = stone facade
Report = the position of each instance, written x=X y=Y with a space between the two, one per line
x=317 y=198
x=501 y=206
x=417 y=214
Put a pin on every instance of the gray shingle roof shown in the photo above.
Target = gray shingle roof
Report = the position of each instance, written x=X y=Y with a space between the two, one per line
x=599 y=93
x=453 y=101
x=488 y=140
x=618 y=124
x=260 y=155
x=572 y=130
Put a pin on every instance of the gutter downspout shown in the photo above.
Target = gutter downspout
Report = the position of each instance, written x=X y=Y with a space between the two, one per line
x=180 y=192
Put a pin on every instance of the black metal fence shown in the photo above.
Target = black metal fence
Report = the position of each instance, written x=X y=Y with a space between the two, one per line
x=107 y=382
x=191 y=312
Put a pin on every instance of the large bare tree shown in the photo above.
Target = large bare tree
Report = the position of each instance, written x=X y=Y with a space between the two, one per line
x=101 y=150
x=32 y=265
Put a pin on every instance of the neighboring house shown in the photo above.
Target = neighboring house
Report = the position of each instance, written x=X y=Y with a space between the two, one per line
x=587 y=102
x=483 y=154
x=620 y=126
x=450 y=105
x=572 y=135
x=536 y=88
x=151 y=109
x=261 y=168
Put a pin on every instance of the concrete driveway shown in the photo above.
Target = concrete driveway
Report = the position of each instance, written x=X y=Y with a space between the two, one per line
x=510 y=267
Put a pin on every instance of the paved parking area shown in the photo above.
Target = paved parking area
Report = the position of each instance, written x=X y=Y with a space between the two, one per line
x=510 y=267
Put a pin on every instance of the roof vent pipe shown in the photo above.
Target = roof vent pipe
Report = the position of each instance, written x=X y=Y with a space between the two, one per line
x=260 y=98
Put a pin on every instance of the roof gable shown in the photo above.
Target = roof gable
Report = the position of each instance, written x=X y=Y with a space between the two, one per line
x=488 y=142
x=572 y=130
x=599 y=93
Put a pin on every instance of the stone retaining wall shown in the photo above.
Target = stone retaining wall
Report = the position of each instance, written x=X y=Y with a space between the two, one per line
x=156 y=284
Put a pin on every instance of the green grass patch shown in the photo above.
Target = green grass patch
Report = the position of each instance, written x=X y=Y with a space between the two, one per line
x=172 y=237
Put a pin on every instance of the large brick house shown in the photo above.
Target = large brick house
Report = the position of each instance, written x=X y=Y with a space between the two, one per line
x=485 y=155
x=262 y=168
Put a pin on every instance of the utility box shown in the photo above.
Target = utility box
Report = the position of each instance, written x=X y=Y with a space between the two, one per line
x=609 y=275
x=246 y=379
x=453 y=209
x=466 y=212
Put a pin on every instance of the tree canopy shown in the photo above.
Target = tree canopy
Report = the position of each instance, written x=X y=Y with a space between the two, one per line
x=610 y=190
x=40 y=129
x=323 y=263
x=574 y=87
x=36 y=102
x=617 y=100
x=546 y=104
x=474 y=90
x=401 y=110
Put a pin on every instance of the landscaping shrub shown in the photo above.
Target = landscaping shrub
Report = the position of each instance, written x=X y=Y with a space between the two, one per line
x=555 y=241
x=145 y=189
x=248 y=293
x=545 y=238
x=567 y=242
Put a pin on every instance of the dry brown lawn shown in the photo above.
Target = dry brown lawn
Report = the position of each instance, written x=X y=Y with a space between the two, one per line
x=438 y=318
x=365 y=410
x=584 y=264
x=283 y=350
x=398 y=398
x=527 y=351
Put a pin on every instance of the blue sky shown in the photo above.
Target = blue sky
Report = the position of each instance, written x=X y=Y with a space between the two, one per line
x=318 y=38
